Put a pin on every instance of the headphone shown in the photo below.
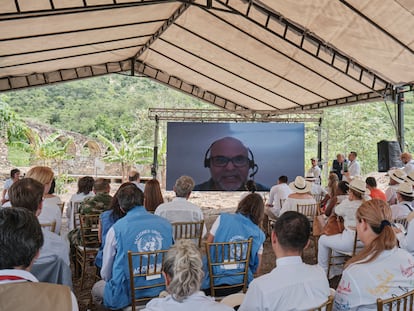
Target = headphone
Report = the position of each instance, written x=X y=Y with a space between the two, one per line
x=252 y=165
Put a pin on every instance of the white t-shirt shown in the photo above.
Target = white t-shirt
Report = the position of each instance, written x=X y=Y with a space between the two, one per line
x=51 y=212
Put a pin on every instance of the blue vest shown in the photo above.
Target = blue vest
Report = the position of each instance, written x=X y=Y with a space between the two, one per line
x=107 y=220
x=138 y=231
x=236 y=227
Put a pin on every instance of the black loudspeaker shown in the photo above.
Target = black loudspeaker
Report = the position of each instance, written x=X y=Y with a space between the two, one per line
x=388 y=155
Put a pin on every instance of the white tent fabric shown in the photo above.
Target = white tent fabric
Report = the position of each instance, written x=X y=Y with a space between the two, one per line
x=266 y=55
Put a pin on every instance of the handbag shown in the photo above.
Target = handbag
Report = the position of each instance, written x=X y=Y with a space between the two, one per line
x=334 y=225
x=318 y=225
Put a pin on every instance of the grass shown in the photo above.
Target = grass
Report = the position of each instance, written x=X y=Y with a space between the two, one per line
x=18 y=157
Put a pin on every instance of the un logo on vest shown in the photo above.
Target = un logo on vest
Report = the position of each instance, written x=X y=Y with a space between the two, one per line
x=148 y=241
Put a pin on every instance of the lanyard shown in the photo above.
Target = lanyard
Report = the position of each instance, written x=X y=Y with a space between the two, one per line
x=11 y=278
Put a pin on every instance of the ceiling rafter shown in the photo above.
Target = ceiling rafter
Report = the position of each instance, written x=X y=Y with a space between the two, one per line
x=304 y=35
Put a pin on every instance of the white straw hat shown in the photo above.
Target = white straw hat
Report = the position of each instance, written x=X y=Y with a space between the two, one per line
x=358 y=185
x=300 y=185
x=397 y=175
x=410 y=178
x=406 y=189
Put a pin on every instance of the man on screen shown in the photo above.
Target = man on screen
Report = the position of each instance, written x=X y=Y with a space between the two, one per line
x=229 y=166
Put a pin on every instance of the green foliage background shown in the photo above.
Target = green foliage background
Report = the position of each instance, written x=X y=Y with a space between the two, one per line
x=104 y=105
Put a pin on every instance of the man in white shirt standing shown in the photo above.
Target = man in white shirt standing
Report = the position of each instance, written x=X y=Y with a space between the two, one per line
x=315 y=170
x=278 y=193
x=292 y=285
x=354 y=168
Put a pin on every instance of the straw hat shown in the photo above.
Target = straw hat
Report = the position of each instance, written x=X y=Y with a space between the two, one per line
x=397 y=175
x=410 y=178
x=358 y=185
x=300 y=185
x=310 y=176
x=406 y=189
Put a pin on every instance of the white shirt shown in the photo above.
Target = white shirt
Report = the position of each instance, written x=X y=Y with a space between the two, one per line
x=139 y=185
x=70 y=212
x=277 y=193
x=291 y=204
x=407 y=240
x=408 y=168
x=7 y=184
x=180 y=210
x=292 y=285
x=31 y=278
x=402 y=209
x=391 y=194
x=197 y=301
x=347 y=210
x=316 y=172
x=53 y=245
x=318 y=190
x=51 y=212
x=354 y=168
x=391 y=274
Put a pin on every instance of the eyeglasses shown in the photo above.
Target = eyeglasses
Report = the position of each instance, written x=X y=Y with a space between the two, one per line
x=222 y=161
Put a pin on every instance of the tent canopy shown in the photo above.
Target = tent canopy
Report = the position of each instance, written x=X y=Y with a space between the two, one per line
x=267 y=55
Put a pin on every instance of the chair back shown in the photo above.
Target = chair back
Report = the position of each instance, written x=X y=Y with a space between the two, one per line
x=318 y=197
x=401 y=220
x=146 y=280
x=75 y=214
x=230 y=260
x=400 y=303
x=50 y=226
x=309 y=210
x=61 y=207
x=89 y=224
x=189 y=230
x=326 y=306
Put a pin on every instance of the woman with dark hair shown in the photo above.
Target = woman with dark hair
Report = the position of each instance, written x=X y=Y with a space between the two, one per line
x=107 y=219
x=242 y=225
x=152 y=195
x=183 y=273
x=85 y=186
x=341 y=193
x=380 y=269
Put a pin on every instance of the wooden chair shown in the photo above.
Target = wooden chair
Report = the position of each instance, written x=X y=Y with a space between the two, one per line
x=401 y=220
x=88 y=248
x=145 y=274
x=310 y=211
x=189 y=230
x=400 y=303
x=343 y=257
x=326 y=306
x=49 y=226
x=228 y=259
x=75 y=214
x=61 y=207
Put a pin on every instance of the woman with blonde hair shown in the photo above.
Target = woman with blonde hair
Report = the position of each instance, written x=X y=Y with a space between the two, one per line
x=50 y=210
x=380 y=269
x=183 y=273
x=152 y=195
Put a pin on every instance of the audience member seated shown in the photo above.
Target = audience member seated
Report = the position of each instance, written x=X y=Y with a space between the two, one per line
x=396 y=177
x=183 y=273
x=250 y=187
x=405 y=197
x=316 y=189
x=407 y=160
x=374 y=192
x=406 y=237
x=139 y=231
x=28 y=193
x=330 y=190
x=152 y=195
x=14 y=176
x=106 y=221
x=180 y=209
x=342 y=242
x=292 y=285
x=278 y=194
x=50 y=210
x=301 y=195
x=340 y=195
x=51 y=194
x=380 y=269
x=21 y=240
x=242 y=225
x=85 y=186
x=134 y=177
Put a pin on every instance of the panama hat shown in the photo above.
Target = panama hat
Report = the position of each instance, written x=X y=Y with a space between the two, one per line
x=410 y=178
x=397 y=175
x=358 y=185
x=406 y=189
x=310 y=176
x=300 y=185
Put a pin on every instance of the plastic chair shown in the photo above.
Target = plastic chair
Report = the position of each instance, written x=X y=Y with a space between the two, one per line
x=88 y=248
x=400 y=303
x=145 y=276
x=189 y=230
x=228 y=259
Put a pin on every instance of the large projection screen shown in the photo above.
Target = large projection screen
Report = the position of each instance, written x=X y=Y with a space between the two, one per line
x=277 y=148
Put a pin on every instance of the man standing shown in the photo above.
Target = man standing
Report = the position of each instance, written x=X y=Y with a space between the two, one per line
x=229 y=165
x=315 y=170
x=292 y=285
x=338 y=165
x=14 y=176
x=354 y=169
x=135 y=178
x=408 y=162
x=278 y=194
x=21 y=239
x=138 y=230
